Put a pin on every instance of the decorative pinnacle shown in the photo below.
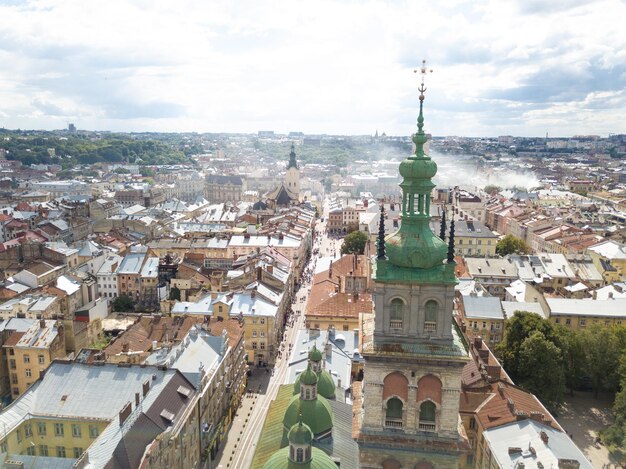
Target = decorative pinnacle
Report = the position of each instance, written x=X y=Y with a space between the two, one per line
x=451 y=243
x=381 y=234
x=442 y=231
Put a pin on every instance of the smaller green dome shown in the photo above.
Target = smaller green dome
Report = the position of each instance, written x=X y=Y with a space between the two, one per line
x=315 y=355
x=316 y=414
x=326 y=385
x=418 y=168
x=300 y=434
x=308 y=377
x=280 y=460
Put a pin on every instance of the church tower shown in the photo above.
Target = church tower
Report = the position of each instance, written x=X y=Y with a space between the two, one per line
x=292 y=178
x=407 y=413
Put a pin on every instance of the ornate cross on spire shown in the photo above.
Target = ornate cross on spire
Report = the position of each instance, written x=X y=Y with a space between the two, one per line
x=423 y=71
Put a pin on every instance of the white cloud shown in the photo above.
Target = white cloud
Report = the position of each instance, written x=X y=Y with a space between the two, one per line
x=522 y=68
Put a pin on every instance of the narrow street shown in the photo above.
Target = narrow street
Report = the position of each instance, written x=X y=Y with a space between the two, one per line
x=239 y=446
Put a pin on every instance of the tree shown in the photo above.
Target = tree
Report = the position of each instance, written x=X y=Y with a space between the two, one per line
x=492 y=189
x=512 y=245
x=175 y=293
x=123 y=303
x=603 y=357
x=516 y=330
x=354 y=243
x=574 y=355
x=541 y=368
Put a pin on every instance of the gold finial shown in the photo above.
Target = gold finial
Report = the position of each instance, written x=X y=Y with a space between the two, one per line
x=423 y=71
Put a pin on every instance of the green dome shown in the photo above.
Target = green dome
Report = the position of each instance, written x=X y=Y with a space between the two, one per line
x=414 y=245
x=418 y=168
x=308 y=377
x=300 y=434
x=325 y=384
x=315 y=413
x=280 y=460
x=315 y=355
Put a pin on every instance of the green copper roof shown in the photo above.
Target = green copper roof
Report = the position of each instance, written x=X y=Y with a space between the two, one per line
x=316 y=414
x=315 y=355
x=319 y=460
x=384 y=271
x=300 y=434
x=308 y=376
x=414 y=245
x=325 y=384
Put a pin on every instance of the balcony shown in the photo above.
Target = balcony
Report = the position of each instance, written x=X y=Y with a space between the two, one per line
x=430 y=326
x=395 y=324
x=393 y=423
x=426 y=427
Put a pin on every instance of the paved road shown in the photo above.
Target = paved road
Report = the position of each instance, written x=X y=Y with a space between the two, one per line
x=238 y=448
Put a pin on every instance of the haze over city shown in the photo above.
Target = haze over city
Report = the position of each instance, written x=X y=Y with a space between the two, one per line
x=518 y=67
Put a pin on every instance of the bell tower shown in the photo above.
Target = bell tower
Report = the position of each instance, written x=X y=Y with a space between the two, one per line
x=292 y=177
x=407 y=414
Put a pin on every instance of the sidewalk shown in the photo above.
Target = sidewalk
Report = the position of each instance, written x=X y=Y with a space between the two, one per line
x=258 y=380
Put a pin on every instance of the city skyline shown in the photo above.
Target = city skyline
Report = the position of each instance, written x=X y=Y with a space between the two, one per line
x=519 y=68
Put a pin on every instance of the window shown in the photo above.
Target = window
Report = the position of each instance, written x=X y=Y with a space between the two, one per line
x=93 y=431
x=76 y=431
x=568 y=321
x=60 y=451
x=26 y=358
x=59 y=430
x=253 y=333
x=13 y=378
x=3 y=448
x=41 y=359
x=472 y=423
x=262 y=320
x=430 y=317
x=28 y=430
x=582 y=322
x=16 y=391
x=12 y=364
x=78 y=452
x=427 y=416
x=41 y=428
x=345 y=327
x=557 y=320
x=262 y=334
x=18 y=434
x=30 y=450
x=396 y=314
x=393 y=416
x=28 y=373
x=43 y=450
x=262 y=344
x=254 y=345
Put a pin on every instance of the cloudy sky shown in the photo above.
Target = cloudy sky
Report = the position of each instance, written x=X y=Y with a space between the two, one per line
x=501 y=67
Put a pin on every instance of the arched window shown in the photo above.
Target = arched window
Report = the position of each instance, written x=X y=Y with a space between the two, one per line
x=393 y=416
x=428 y=415
x=391 y=464
x=307 y=394
x=291 y=453
x=307 y=453
x=396 y=314
x=430 y=316
x=299 y=455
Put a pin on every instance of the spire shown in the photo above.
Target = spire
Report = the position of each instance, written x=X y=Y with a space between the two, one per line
x=442 y=231
x=420 y=137
x=292 y=158
x=381 y=234
x=451 y=243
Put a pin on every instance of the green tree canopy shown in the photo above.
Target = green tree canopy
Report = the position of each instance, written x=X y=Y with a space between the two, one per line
x=492 y=188
x=512 y=245
x=541 y=368
x=124 y=304
x=354 y=243
x=175 y=293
